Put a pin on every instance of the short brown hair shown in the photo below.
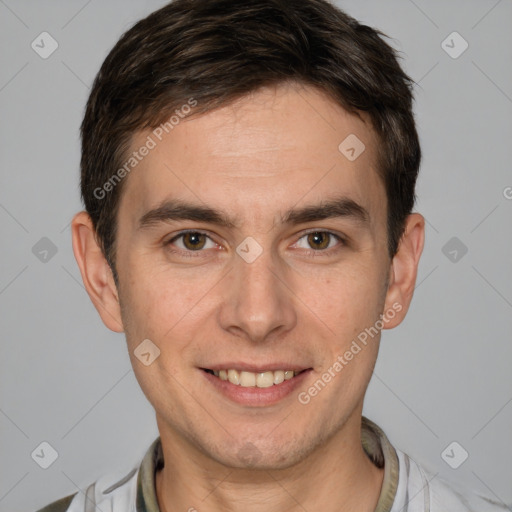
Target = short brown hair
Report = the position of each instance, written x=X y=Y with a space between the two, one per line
x=217 y=51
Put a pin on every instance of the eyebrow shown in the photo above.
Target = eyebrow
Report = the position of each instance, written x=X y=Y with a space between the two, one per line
x=175 y=209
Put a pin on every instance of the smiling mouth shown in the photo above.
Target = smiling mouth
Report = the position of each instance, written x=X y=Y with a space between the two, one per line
x=250 y=380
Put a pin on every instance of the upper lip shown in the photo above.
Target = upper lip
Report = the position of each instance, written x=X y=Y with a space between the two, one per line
x=256 y=368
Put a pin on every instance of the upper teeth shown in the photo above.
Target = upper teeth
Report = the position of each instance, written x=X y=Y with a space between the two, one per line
x=250 y=379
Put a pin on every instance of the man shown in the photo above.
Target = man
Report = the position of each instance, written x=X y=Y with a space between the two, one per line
x=248 y=172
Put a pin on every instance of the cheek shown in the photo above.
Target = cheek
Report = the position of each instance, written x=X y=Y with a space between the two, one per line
x=345 y=298
x=167 y=308
x=151 y=295
x=157 y=311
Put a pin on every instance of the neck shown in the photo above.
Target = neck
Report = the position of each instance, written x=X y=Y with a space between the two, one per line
x=337 y=477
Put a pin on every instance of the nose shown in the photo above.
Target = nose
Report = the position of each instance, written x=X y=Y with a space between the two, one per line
x=258 y=303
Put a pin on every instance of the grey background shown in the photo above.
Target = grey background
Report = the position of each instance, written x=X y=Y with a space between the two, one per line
x=442 y=376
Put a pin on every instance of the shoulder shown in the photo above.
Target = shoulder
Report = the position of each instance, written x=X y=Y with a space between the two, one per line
x=427 y=491
x=446 y=495
x=115 y=491
x=60 y=505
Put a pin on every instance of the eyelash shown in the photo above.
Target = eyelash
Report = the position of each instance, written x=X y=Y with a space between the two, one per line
x=310 y=252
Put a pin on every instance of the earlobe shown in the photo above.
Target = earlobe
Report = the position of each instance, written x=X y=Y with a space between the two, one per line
x=403 y=271
x=96 y=273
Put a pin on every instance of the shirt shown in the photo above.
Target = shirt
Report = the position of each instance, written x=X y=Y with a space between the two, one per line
x=406 y=486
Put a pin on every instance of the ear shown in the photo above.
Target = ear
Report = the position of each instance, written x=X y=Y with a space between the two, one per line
x=403 y=271
x=96 y=272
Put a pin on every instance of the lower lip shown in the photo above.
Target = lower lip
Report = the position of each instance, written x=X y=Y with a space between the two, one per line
x=254 y=396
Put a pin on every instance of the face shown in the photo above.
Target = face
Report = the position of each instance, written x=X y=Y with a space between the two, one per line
x=248 y=244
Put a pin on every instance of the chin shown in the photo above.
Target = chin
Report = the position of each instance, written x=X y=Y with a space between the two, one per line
x=268 y=454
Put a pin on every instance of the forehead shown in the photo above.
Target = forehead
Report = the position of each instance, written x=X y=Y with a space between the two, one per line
x=264 y=153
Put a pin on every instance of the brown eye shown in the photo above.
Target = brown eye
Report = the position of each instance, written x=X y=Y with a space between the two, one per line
x=194 y=241
x=319 y=240
x=191 y=244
